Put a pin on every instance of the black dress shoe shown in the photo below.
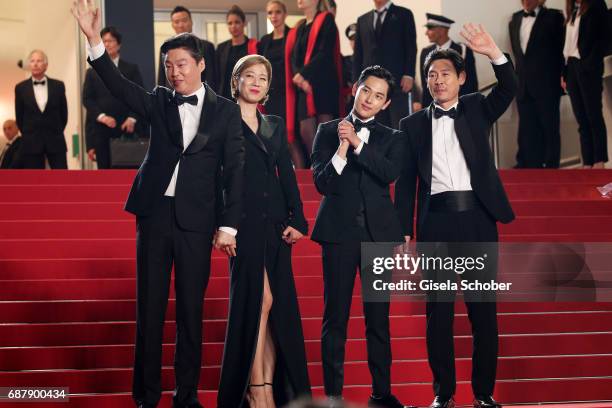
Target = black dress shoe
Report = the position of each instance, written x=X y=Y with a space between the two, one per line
x=390 y=401
x=482 y=401
x=440 y=402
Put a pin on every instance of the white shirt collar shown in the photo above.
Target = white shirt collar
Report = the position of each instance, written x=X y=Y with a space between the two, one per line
x=354 y=117
x=537 y=10
x=445 y=46
x=116 y=61
x=384 y=8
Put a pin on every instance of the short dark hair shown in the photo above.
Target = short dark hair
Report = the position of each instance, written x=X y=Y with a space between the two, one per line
x=112 y=31
x=186 y=41
x=449 y=54
x=378 y=72
x=237 y=11
x=180 y=9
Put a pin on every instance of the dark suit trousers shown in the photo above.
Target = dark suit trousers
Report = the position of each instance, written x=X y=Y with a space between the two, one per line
x=160 y=242
x=340 y=262
x=539 y=137
x=37 y=161
x=585 y=88
x=460 y=227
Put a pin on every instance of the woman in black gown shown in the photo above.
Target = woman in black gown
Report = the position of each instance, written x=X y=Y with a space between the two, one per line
x=314 y=73
x=264 y=361
x=230 y=51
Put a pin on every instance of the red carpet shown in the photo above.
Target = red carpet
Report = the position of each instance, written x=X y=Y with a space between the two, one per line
x=67 y=298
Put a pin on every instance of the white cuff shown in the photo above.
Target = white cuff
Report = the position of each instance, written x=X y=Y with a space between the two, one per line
x=229 y=230
x=131 y=119
x=358 y=148
x=338 y=163
x=100 y=116
x=95 y=52
x=500 y=61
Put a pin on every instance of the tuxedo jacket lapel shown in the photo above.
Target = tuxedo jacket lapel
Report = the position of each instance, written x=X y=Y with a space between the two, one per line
x=537 y=25
x=516 y=32
x=206 y=122
x=425 y=148
x=29 y=95
x=464 y=135
x=173 y=120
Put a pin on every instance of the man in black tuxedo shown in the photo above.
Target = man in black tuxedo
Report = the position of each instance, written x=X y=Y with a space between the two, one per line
x=386 y=36
x=107 y=116
x=41 y=111
x=537 y=36
x=182 y=23
x=354 y=161
x=460 y=199
x=437 y=32
x=9 y=154
x=196 y=149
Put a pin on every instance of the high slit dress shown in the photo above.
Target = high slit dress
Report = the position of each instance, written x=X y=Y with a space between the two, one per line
x=271 y=203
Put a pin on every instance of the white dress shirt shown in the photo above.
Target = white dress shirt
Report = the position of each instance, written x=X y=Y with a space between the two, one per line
x=444 y=46
x=190 y=120
x=364 y=134
x=384 y=9
x=41 y=93
x=572 y=33
x=449 y=171
x=526 y=27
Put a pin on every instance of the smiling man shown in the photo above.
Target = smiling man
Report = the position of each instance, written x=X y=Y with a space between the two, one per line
x=196 y=150
x=354 y=161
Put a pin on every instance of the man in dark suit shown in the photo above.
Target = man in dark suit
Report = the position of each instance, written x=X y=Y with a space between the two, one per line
x=41 y=111
x=437 y=32
x=386 y=36
x=354 y=161
x=196 y=149
x=9 y=154
x=537 y=36
x=107 y=117
x=460 y=199
x=182 y=23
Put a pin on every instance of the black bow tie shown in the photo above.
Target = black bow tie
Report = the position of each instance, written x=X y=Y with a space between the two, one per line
x=359 y=124
x=180 y=99
x=451 y=113
x=40 y=82
x=529 y=14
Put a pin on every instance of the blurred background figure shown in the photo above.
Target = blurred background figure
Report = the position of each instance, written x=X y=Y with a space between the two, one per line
x=386 y=36
x=272 y=46
x=437 y=33
x=537 y=35
x=107 y=117
x=9 y=154
x=182 y=23
x=586 y=40
x=347 y=68
x=313 y=76
x=230 y=51
x=41 y=111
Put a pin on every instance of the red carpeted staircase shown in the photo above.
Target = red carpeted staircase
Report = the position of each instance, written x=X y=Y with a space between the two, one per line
x=67 y=298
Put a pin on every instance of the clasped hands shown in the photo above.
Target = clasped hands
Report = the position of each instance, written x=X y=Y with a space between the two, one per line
x=302 y=83
x=348 y=137
x=225 y=242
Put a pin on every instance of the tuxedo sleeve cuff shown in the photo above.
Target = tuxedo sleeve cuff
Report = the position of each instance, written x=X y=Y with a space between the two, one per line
x=95 y=52
x=359 y=148
x=500 y=61
x=338 y=163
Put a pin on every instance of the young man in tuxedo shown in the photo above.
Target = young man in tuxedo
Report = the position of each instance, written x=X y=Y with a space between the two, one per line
x=460 y=199
x=537 y=36
x=41 y=111
x=437 y=33
x=196 y=150
x=180 y=18
x=386 y=36
x=9 y=154
x=354 y=161
x=107 y=117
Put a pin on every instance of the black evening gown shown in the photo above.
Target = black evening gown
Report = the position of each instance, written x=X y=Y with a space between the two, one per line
x=274 y=51
x=272 y=201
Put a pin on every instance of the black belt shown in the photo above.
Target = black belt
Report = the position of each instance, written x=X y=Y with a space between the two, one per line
x=454 y=201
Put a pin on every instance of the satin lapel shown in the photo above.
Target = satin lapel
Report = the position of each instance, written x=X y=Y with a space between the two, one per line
x=388 y=17
x=370 y=25
x=425 y=148
x=174 y=122
x=537 y=26
x=50 y=93
x=206 y=122
x=516 y=32
x=266 y=132
x=29 y=94
x=464 y=135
